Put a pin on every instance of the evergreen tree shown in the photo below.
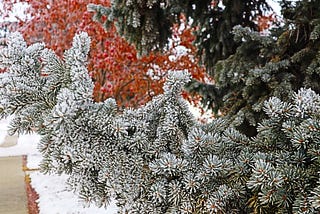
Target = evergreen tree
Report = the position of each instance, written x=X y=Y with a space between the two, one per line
x=148 y=24
x=145 y=157
x=247 y=67
x=157 y=158
x=285 y=174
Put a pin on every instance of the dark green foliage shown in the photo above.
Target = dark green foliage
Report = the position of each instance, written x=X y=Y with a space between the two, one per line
x=247 y=67
x=264 y=66
x=147 y=24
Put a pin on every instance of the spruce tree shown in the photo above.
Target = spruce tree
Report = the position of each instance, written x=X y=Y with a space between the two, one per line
x=157 y=158
x=145 y=158
x=247 y=67
x=285 y=174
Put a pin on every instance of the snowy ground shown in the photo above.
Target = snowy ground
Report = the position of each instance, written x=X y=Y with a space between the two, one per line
x=53 y=197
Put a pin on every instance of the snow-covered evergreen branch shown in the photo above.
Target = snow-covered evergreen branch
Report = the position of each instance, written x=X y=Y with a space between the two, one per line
x=157 y=158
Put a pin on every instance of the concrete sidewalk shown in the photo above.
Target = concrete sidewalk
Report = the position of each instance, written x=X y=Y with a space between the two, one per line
x=13 y=198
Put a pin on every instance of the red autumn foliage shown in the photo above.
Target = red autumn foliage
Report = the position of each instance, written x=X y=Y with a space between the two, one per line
x=266 y=21
x=113 y=63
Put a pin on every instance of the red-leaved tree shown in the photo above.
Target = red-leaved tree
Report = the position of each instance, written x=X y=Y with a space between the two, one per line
x=113 y=63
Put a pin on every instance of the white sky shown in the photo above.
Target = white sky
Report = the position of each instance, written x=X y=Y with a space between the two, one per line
x=275 y=6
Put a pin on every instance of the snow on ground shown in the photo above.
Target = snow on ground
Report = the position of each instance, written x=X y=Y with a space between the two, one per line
x=53 y=196
x=26 y=145
x=3 y=129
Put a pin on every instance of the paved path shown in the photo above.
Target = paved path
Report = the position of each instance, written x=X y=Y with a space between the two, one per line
x=13 y=198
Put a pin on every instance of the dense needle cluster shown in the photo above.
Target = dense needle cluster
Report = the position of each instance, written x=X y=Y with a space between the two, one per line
x=157 y=158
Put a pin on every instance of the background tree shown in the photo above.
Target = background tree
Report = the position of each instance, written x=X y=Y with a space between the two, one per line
x=113 y=63
x=247 y=67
